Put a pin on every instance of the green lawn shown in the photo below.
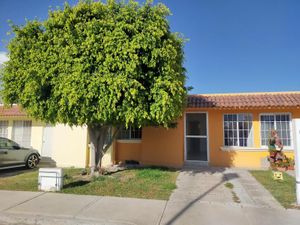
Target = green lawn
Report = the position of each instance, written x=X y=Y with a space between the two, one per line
x=150 y=183
x=284 y=191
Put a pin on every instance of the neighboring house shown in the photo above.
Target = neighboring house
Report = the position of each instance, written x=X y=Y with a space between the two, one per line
x=216 y=129
x=66 y=145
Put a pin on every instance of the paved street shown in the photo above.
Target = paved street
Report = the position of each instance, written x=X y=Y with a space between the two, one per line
x=201 y=198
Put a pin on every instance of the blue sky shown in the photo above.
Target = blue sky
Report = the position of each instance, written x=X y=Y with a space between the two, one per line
x=234 y=45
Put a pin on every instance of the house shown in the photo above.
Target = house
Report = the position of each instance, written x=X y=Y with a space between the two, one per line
x=65 y=145
x=218 y=130
x=215 y=129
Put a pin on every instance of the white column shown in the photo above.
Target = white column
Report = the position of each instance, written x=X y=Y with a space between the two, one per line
x=296 y=132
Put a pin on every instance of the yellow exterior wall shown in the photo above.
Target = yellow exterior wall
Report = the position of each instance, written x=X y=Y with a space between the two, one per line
x=165 y=147
x=246 y=158
x=128 y=150
x=158 y=146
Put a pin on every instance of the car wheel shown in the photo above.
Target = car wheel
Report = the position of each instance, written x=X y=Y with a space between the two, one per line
x=32 y=161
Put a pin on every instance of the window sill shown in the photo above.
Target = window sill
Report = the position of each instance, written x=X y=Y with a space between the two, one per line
x=249 y=149
x=285 y=149
x=130 y=141
x=240 y=149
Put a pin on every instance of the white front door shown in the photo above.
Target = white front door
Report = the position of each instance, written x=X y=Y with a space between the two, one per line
x=47 y=141
x=196 y=137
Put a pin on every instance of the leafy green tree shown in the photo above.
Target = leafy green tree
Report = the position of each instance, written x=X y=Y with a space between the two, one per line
x=98 y=64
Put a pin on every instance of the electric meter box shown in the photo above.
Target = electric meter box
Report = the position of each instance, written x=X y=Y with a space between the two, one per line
x=50 y=179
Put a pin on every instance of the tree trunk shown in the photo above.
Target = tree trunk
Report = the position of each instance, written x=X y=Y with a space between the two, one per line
x=99 y=144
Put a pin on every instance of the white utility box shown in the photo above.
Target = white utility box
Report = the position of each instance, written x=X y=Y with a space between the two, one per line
x=50 y=179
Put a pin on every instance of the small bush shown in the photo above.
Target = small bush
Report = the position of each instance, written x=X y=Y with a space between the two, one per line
x=229 y=185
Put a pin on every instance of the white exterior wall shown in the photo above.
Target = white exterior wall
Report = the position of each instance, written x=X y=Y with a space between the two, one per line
x=37 y=135
x=69 y=146
x=107 y=159
x=36 y=131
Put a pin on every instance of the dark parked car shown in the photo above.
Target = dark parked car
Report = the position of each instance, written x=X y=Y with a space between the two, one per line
x=13 y=155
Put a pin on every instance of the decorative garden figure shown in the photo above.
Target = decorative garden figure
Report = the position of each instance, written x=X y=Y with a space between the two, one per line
x=275 y=147
x=277 y=157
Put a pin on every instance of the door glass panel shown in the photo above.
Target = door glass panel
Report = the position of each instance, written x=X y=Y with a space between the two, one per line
x=196 y=124
x=196 y=149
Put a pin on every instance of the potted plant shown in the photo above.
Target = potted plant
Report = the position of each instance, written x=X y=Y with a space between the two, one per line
x=291 y=164
x=281 y=165
x=278 y=160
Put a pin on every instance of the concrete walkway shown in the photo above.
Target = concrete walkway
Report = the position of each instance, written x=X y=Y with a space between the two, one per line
x=201 y=198
x=17 y=207
x=251 y=192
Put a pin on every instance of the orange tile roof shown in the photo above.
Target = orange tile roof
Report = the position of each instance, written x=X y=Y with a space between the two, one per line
x=11 y=111
x=245 y=100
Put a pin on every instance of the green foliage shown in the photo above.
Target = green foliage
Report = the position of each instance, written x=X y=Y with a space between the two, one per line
x=150 y=173
x=98 y=63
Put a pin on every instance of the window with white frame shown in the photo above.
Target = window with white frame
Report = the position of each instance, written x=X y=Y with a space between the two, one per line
x=238 y=130
x=281 y=123
x=4 y=128
x=21 y=132
x=130 y=133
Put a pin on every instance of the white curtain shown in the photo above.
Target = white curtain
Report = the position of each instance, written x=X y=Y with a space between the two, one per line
x=4 y=129
x=250 y=135
x=22 y=133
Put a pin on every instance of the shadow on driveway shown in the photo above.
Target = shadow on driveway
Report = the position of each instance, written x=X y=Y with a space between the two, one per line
x=15 y=171
x=204 y=170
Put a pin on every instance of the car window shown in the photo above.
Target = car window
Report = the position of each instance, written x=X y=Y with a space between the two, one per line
x=7 y=144
x=3 y=143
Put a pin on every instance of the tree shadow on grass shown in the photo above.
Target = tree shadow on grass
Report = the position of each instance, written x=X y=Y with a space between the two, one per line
x=77 y=183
